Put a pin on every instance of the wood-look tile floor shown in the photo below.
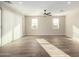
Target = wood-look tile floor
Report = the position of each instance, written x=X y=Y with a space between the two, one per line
x=29 y=47
x=25 y=47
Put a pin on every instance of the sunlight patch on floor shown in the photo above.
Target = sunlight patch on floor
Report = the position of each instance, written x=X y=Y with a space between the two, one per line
x=51 y=49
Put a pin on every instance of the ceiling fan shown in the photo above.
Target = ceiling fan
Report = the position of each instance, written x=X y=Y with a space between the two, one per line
x=47 y=13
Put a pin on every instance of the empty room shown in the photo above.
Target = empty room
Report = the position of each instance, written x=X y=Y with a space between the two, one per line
x=39 y=28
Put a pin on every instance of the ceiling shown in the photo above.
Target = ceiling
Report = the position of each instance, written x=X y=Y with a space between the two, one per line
x=34 y=8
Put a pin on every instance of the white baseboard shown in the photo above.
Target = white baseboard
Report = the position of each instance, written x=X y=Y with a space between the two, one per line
x=43 y=34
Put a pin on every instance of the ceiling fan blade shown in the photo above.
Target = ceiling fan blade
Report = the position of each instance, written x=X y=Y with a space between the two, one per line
x=49 y=13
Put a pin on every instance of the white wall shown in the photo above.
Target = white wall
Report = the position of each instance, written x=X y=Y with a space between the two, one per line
x=44 y=26
x=0 y=26
x=72 y=24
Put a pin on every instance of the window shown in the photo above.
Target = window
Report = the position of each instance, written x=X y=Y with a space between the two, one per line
x=34 y=23
x=55 y=23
